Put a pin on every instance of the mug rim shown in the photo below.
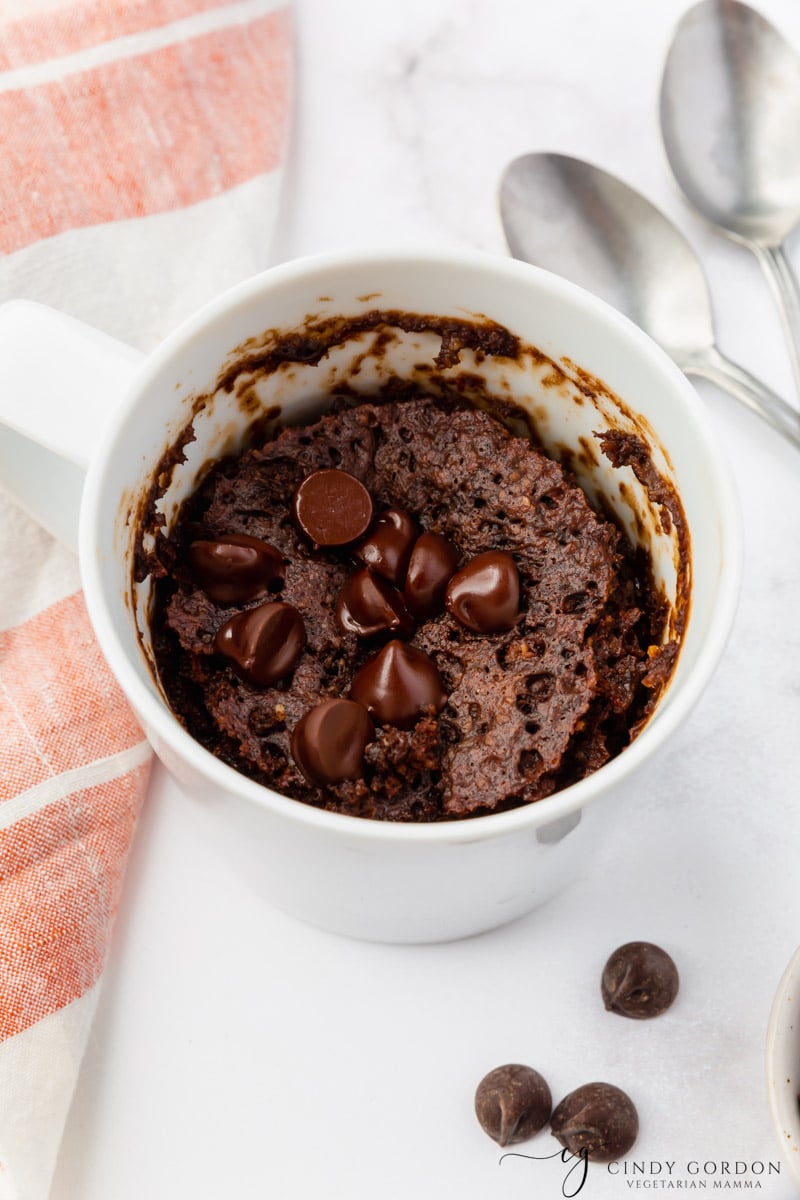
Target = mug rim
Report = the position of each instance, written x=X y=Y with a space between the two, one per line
x=157 y=715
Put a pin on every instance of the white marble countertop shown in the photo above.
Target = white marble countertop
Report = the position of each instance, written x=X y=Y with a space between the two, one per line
x=238 y=1053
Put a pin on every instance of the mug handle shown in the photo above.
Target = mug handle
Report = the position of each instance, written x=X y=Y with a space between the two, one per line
x=60 y=383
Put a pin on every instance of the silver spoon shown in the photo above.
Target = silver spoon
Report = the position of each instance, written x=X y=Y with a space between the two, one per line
x=730 y=119
x=580 y=222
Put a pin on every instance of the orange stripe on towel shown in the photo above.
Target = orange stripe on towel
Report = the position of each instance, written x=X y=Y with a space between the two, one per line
x=60 y=876
x=74 y=27
x=57 y=692
x=144 y=135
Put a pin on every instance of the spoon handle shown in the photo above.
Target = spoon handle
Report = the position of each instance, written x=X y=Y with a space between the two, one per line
x=783 y=285
x=713 y=365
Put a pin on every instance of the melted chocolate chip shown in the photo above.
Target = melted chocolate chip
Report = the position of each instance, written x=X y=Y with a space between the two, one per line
x=484 y=594
x=263 y=643
x=513 y=1103
x=640 y=980
x=332 y=508
x=597 y=1120
x=328 y=743
x=387 y=547
x=432 y=563
x=398 y=684
x=236 y=568
x=367 y=605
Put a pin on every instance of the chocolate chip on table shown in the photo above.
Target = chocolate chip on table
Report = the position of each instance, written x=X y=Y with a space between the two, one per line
x=639 y=980
x=484 y=594
x=332 y=508
x=328 y=743
x=398 y=684
x=430 y=568
x=236 y=568
x=512 y=1103
x=263 y=643
x=387 y=547
x=598 y=1120
x=368 y=604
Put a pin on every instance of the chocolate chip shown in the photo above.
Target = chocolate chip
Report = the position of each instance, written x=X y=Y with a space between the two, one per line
x=367 y=605
x=387 y=547
x=484 y=594
x=597 y=1120
x=432 y=563
x=263 y=643
x=513 y=1103
x=236 y=568
x=640 y=980
x=398 y=684
x=328 y=743
x=332 y=508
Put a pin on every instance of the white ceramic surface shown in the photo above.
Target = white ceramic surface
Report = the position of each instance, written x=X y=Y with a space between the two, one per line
x=375 y=880
x=783 y=1066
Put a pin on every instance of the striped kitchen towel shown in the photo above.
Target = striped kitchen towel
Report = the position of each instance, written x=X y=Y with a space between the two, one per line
x=142 y=143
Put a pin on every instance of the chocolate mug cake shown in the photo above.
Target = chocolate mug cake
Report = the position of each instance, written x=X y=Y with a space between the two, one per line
x=553 y=368
x=407 y=612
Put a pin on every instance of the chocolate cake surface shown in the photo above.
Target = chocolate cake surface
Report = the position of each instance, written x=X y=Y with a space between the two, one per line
x=528 y=710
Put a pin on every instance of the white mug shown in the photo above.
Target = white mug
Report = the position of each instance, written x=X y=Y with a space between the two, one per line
x=72 y=401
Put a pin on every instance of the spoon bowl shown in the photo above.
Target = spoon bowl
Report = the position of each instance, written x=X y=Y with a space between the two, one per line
x=579 y=221
x=730 y=121
x=576 y=220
